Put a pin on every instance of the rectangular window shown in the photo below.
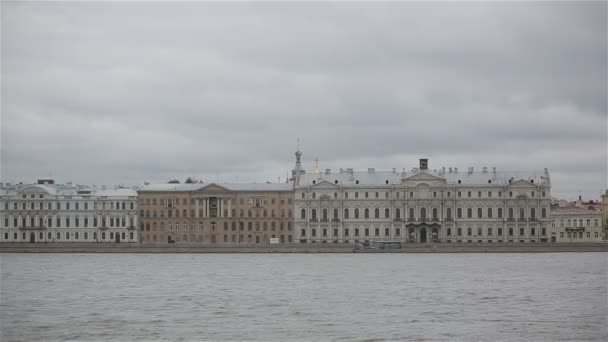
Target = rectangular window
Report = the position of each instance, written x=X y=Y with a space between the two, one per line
x=469 y=231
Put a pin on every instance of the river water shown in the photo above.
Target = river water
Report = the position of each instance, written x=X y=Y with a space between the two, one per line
x=300 y=297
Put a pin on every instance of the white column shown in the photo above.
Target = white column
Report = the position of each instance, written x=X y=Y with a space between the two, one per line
x=197 y=208
x=229 y=208
x=206 y=207
x=219 y=208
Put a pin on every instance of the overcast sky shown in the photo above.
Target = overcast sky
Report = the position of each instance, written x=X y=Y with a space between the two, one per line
x=132 y=92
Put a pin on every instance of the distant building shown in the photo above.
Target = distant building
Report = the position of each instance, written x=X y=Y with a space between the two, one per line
x=47 y=212
x=576 y=224
x=216 y=213
x=421 y=205
x=605 y=214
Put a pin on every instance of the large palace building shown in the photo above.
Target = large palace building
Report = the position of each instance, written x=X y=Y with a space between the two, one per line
x=47 y=212
x=216 y=213
x=421 y=205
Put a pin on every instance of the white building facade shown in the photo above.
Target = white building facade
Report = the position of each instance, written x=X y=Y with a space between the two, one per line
x=48 y=212
x=574 y=224
x=421 y=206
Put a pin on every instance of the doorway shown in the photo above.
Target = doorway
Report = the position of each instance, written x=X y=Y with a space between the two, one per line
x=117 y=238
x=423 y=235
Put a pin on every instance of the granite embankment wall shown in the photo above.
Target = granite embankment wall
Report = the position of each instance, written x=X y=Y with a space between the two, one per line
x=294 y=248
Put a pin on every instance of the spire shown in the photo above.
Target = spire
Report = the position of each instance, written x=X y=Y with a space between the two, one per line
x=298 y=170
x=317 y=171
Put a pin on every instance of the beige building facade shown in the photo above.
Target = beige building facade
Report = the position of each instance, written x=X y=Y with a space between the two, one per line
x=227 y=214
x=574 y=224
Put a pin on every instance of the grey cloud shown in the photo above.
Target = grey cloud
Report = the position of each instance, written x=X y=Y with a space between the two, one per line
x=127 y=92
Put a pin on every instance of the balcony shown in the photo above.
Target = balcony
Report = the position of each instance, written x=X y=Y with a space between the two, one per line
x=131 y=228
x=335 y=219
x=510 y=219
x=449 y=219
x=324 y=220
x=411 y=219
x=33 y=228
x=398 y=219
x=103 y=228
x=314 y=220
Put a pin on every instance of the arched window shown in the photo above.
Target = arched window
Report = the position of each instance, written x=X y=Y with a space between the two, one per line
x=489 y=212
x=412 y=214
x=449 y=213
x=511 y=213
x=345 y=213
x=543 y=213
x=469 y=213
x=435 y=216
x=303 y=214
x=499 y=212
x=225 y=238
x=356 y=213
x=479 y=213
x=366 y=213
x=397 y=213
x=387 y=213
x=423 y=213
x=377 y=213
x=303 y=195
x=522 y=213
x=313 y=214
x=324 y=214
x=336 y=214
x=314 y=195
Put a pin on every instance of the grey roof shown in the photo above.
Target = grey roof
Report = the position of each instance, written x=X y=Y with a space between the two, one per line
x=229 y=186
x=71 y=190
x=379 y=178
x=574 y=210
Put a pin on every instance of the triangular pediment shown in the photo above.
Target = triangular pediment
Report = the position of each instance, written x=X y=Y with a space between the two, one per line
x=212 y=187
x=323 y=184
x=521 y=184
x=423 y=177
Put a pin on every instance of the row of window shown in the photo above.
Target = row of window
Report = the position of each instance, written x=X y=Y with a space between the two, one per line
x=66 y=222
x=578 y=223
x=67 y=236
x=490 y=231
x=574 y=235
x=434 y=194
x=376 y=232
x=184 y=213
x=68 y=206
x=227 y=239
x=447 y=241
x=213 y=226
x=423 y=213
x=173 y=202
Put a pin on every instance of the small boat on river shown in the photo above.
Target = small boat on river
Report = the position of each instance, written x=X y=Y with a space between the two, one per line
x=378 y=247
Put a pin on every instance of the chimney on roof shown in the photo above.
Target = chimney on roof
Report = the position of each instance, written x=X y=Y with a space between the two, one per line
x=494 y=169
x=341 y=170
x=455 y=170
x=450 y=170
x=327 y=171
x=394 y=170
x=371 y=170
x=485 y=169
x=443 y=170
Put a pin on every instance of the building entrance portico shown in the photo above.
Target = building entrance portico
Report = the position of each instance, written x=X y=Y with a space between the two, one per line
x=423 y=232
